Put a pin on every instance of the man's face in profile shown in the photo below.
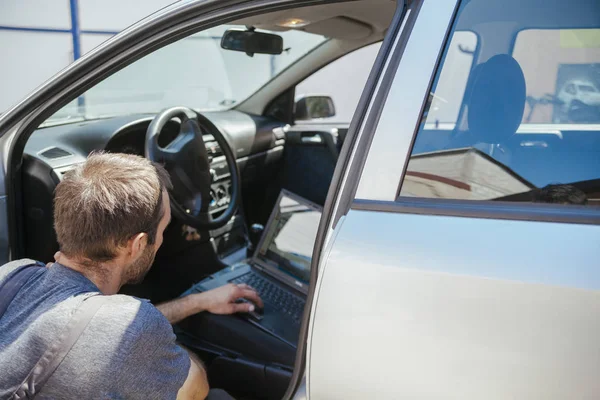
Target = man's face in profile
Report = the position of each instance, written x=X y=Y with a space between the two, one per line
x=137 y=271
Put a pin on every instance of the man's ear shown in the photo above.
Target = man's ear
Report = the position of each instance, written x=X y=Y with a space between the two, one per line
x=137 y=244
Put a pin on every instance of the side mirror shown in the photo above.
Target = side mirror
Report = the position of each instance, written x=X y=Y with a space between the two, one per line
x=313 y=107
x=252 y=42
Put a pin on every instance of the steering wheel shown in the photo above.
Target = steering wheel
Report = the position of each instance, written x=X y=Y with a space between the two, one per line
x=188 y=164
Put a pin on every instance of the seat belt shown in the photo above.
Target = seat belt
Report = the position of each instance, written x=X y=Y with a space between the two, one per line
x=16 y=280
x=56 y=353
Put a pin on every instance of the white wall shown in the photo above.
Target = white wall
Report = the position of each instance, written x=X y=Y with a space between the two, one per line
x=114 y=15
x=28 y=58
x=36 y=13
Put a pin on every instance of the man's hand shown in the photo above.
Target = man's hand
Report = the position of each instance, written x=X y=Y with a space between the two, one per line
x=217 y=301
x=222 y=299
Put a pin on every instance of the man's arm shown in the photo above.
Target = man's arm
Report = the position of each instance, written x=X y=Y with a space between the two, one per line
x=195 y=386
x=146 y=361
x=217 y=301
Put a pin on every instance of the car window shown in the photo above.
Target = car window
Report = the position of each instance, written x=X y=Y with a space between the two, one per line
x=195 y=71
x=444 y=106
x=503 y=120
x=332 y=80
x=567 y=57
x=584 y=88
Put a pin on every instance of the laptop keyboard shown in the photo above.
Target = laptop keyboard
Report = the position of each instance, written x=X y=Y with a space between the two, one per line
x=270 y=293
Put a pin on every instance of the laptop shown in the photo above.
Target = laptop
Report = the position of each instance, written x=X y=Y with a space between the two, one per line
x=280 y=267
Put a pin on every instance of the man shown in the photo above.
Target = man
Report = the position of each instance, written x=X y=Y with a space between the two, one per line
x=110 y=214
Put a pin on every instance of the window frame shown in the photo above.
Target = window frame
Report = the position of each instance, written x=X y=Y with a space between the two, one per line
x=416 y=57
x=490 y=209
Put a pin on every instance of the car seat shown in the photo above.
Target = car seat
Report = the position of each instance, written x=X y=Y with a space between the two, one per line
x=495 y=104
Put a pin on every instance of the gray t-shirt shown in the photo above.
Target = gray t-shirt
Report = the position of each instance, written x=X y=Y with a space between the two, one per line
x=127 y=351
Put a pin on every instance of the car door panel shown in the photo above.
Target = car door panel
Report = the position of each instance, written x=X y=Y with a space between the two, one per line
x=414 y=306
x=336 y=345
x=448 y=298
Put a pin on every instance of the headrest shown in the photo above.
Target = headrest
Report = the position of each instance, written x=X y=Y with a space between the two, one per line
x=497 y=99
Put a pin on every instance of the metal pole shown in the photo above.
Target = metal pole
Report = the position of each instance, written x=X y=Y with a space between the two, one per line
x=76 y=35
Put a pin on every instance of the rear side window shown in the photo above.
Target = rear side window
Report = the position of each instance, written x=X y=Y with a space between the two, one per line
x=514 y=109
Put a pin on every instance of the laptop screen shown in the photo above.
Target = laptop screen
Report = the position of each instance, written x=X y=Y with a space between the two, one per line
x=290 y=235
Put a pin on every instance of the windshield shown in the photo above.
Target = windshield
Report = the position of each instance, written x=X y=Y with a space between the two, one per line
x=194 y=72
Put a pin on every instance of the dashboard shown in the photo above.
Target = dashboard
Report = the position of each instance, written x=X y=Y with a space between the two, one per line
x=257 y=143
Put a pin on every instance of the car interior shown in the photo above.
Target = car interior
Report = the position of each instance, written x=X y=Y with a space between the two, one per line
x=273 y=147
x=276 y=150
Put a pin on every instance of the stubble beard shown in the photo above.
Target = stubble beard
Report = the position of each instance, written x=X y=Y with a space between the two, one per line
x=138 y=269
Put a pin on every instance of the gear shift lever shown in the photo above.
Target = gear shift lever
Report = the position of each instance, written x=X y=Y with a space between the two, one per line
x=256 y=231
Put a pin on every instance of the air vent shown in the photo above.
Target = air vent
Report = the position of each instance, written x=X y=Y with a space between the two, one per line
x=55 y=152
x=61 y=172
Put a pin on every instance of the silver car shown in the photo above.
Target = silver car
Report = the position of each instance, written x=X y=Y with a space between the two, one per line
x=457 y=252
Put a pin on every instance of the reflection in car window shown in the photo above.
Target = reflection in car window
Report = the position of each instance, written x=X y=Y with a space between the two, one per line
x=514 y=110
x=589 y=89
x=565 y=67
x=443 y=109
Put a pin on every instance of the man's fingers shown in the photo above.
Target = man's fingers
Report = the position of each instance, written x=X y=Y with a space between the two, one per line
x=242 y=307
x=250 y=294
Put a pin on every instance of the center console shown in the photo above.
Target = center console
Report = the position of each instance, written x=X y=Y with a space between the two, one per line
x=220 y=192
x=231 y=241
x=261 y=345
x=230 y=238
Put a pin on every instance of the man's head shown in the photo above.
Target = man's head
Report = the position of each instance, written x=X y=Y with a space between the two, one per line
x=113 y=208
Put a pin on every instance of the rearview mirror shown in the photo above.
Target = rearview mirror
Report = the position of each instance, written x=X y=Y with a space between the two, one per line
x=313 y=107
x=252 y=42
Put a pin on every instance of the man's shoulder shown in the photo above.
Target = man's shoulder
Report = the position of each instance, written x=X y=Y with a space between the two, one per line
x=127 y=303
x=8 y=268
x=130 y=349
x=129 y=329
x=132 y=314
